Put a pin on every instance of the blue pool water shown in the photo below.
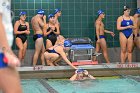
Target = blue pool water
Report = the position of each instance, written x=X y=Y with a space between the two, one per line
x=88 y=86
x=33 y=86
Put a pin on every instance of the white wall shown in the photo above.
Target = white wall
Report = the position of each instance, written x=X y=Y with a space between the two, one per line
x=138 y=3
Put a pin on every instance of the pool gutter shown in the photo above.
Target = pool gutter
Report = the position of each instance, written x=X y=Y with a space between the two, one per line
x=102 y=70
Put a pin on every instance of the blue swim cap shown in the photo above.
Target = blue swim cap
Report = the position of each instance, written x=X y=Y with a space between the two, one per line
x=56 y=10
x=67 y=43
x=80 y=70
x=138 y=11
x=100 y=12
x=50 y=16
x=40 y=11
x=22 y=13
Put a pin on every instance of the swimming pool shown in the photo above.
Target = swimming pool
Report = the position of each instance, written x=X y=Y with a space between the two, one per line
x=109 y=85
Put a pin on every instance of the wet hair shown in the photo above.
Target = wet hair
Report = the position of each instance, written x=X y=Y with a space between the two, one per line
x=126 y=8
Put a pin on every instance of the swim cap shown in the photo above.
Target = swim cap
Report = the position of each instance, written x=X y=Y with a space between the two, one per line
x=56 y=10
x=50 y=16
x=40 y=11
x=80 y=70
x=138 y=11
x=67 y=43
x=22 y=13
x=100 y=12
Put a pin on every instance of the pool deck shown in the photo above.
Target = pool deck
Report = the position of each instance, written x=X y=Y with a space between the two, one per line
x=101 y=70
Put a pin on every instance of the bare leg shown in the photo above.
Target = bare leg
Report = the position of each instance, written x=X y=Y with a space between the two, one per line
x=48 y=44
x=20 y=46
x=126 y=56
x=57 y=60
x=9 y=81
x=50 y=58
x=130 y=47
x=42 y=55
x=104 y=48
x=97 y=50
x=38 y=46
x=24 y=50
x=137 y=42
x=123 y=43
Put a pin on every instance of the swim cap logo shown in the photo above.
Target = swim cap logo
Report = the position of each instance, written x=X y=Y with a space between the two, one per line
x=127 y=23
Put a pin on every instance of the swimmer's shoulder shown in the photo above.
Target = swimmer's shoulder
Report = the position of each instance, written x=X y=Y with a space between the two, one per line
x=131 y=17
x=120 y=18
x=98 y=22
x=17 y=22
x=58 y=48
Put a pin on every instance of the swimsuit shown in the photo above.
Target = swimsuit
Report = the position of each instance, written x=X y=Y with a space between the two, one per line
x=52 y=51
x=52 y=36
x=23 y=37
x=127 y=32
x=36 y=36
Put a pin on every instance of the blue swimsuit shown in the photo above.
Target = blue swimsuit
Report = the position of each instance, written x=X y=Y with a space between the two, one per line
x=101 y=36
x=52 y=51
x=2 y=63
x=127 y=32
x=36 y=36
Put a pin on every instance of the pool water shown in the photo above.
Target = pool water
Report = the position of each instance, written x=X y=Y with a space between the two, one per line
x=33 y=86
x=117 y=85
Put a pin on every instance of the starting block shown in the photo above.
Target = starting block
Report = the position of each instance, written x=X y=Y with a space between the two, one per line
x=86 y=62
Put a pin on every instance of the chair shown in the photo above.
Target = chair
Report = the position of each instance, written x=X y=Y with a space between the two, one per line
x=81 y=44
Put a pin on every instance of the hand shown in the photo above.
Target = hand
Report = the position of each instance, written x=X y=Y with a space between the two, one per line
x=27 y=32
x=130 y=26
x=85 y=72
x=44 y=17
x=76 y=71
x=98 y=41
x=112 y=34
x=13 y=61
x=53 y=28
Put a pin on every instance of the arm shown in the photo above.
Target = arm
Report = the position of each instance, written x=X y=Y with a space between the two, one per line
x=3 y=40
x=112 y=33
x=12 y=59
x=135 y=25
x=73 y=77
x=58 y=29
x=119 y=20
x=90 y=76
x=16 y=29
x=106 y=31
x=42 y=22
x=97 y=29
x=63 y=55
x=45 y=30
x=28 y=28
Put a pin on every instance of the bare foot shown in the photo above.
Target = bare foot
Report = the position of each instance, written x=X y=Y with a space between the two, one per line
x=50 y=64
